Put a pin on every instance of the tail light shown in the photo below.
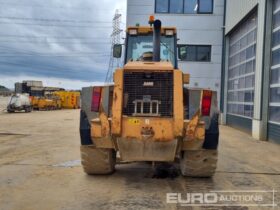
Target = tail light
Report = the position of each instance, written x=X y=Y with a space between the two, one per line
x=96 y=98
x=206 y=102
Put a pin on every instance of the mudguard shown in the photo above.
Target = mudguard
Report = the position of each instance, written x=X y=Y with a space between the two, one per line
x=212 y=133
x=84 y=129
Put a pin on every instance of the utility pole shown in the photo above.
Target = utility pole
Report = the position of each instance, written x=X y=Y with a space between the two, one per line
x=115 y=39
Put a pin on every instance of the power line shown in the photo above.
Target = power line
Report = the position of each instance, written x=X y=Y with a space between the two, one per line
x=42 y=6
x=52 y=42
x=52 y=25
x=14 y=52
x=39 y=68
x=116 y=39
x=50 y=69
x=53 y=20
x=48 y=37
x=57 y=56
x=44 y=69
x=54 y=7
x=50 y=55
x=50 y=63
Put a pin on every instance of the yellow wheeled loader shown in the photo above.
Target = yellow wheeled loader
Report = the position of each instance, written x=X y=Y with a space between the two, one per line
x=149 y=114
x=51 y=102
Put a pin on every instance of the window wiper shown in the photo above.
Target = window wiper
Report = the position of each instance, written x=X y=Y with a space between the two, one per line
x=167 y=47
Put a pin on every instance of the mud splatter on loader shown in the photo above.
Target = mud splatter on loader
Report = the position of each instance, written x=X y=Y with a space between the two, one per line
x=149 y=114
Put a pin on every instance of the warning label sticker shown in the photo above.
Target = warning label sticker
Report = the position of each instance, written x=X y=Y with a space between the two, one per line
x=134 y=121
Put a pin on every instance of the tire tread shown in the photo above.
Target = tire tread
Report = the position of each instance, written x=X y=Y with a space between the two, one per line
x=199 y=163
x=97 y=161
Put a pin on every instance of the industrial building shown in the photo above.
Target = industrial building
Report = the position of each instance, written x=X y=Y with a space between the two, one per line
x=34 y=88
x=251 y=74
x=233 y=47
x=200 y=32
x=5 y=91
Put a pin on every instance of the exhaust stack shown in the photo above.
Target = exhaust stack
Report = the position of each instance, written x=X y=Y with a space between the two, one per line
x=156 y=40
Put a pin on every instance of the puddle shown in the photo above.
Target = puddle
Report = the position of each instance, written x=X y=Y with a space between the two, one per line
x=12 y=134
x=11 y=137
x=69 y=164
x=165 y=170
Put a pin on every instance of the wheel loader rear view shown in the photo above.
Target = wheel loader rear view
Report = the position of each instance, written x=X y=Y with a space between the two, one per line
x=149 y=114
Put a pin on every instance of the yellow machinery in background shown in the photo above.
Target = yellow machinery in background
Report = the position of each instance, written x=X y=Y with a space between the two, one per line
x=57 y=100
x=69 y=99
x=34 y=102
x=46 y=103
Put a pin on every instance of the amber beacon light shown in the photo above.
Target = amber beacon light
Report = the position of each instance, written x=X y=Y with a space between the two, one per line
x=151 y=19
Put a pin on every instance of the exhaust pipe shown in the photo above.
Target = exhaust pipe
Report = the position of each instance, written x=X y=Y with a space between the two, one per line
x=156 y=40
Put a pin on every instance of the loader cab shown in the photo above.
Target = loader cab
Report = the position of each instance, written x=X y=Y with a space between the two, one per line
x=139 y=45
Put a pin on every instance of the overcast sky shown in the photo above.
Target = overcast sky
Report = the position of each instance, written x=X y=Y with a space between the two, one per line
x=63 y=43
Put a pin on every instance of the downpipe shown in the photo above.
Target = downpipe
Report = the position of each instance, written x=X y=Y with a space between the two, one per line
x=156 y=41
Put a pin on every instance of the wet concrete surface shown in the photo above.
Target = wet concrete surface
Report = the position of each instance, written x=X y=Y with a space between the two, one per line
x=40 y=169
x=4 y=100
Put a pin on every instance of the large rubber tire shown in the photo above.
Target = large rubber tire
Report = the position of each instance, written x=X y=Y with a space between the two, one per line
x=97 y=161
x=199 y=163
x=28 y=109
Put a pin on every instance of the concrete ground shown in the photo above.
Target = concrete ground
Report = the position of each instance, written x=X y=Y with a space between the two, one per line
x=40 y=169
x=3 y=102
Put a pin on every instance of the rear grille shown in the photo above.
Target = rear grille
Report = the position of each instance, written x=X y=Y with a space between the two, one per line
x=148 y=94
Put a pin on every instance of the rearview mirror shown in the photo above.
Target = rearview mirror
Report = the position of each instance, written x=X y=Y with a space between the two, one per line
x=117 y=51
x=182 y=52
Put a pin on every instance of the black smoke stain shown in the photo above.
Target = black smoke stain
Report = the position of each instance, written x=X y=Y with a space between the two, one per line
x=165 y=170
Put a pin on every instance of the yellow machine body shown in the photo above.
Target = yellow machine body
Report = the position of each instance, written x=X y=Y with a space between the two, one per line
x=143 y=137
x=69 y=99
x=46 y=103
x=165 y=129
x=146 y=138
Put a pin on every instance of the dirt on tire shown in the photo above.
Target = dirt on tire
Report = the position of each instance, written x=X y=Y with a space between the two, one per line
x=199 y=163
x=97 y=161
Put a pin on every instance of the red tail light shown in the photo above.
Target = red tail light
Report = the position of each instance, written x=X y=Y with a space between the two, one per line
x=206 y=102
x=96 y=98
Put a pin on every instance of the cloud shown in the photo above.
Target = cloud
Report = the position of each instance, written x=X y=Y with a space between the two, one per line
x=69 y=84
x=63 y=40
